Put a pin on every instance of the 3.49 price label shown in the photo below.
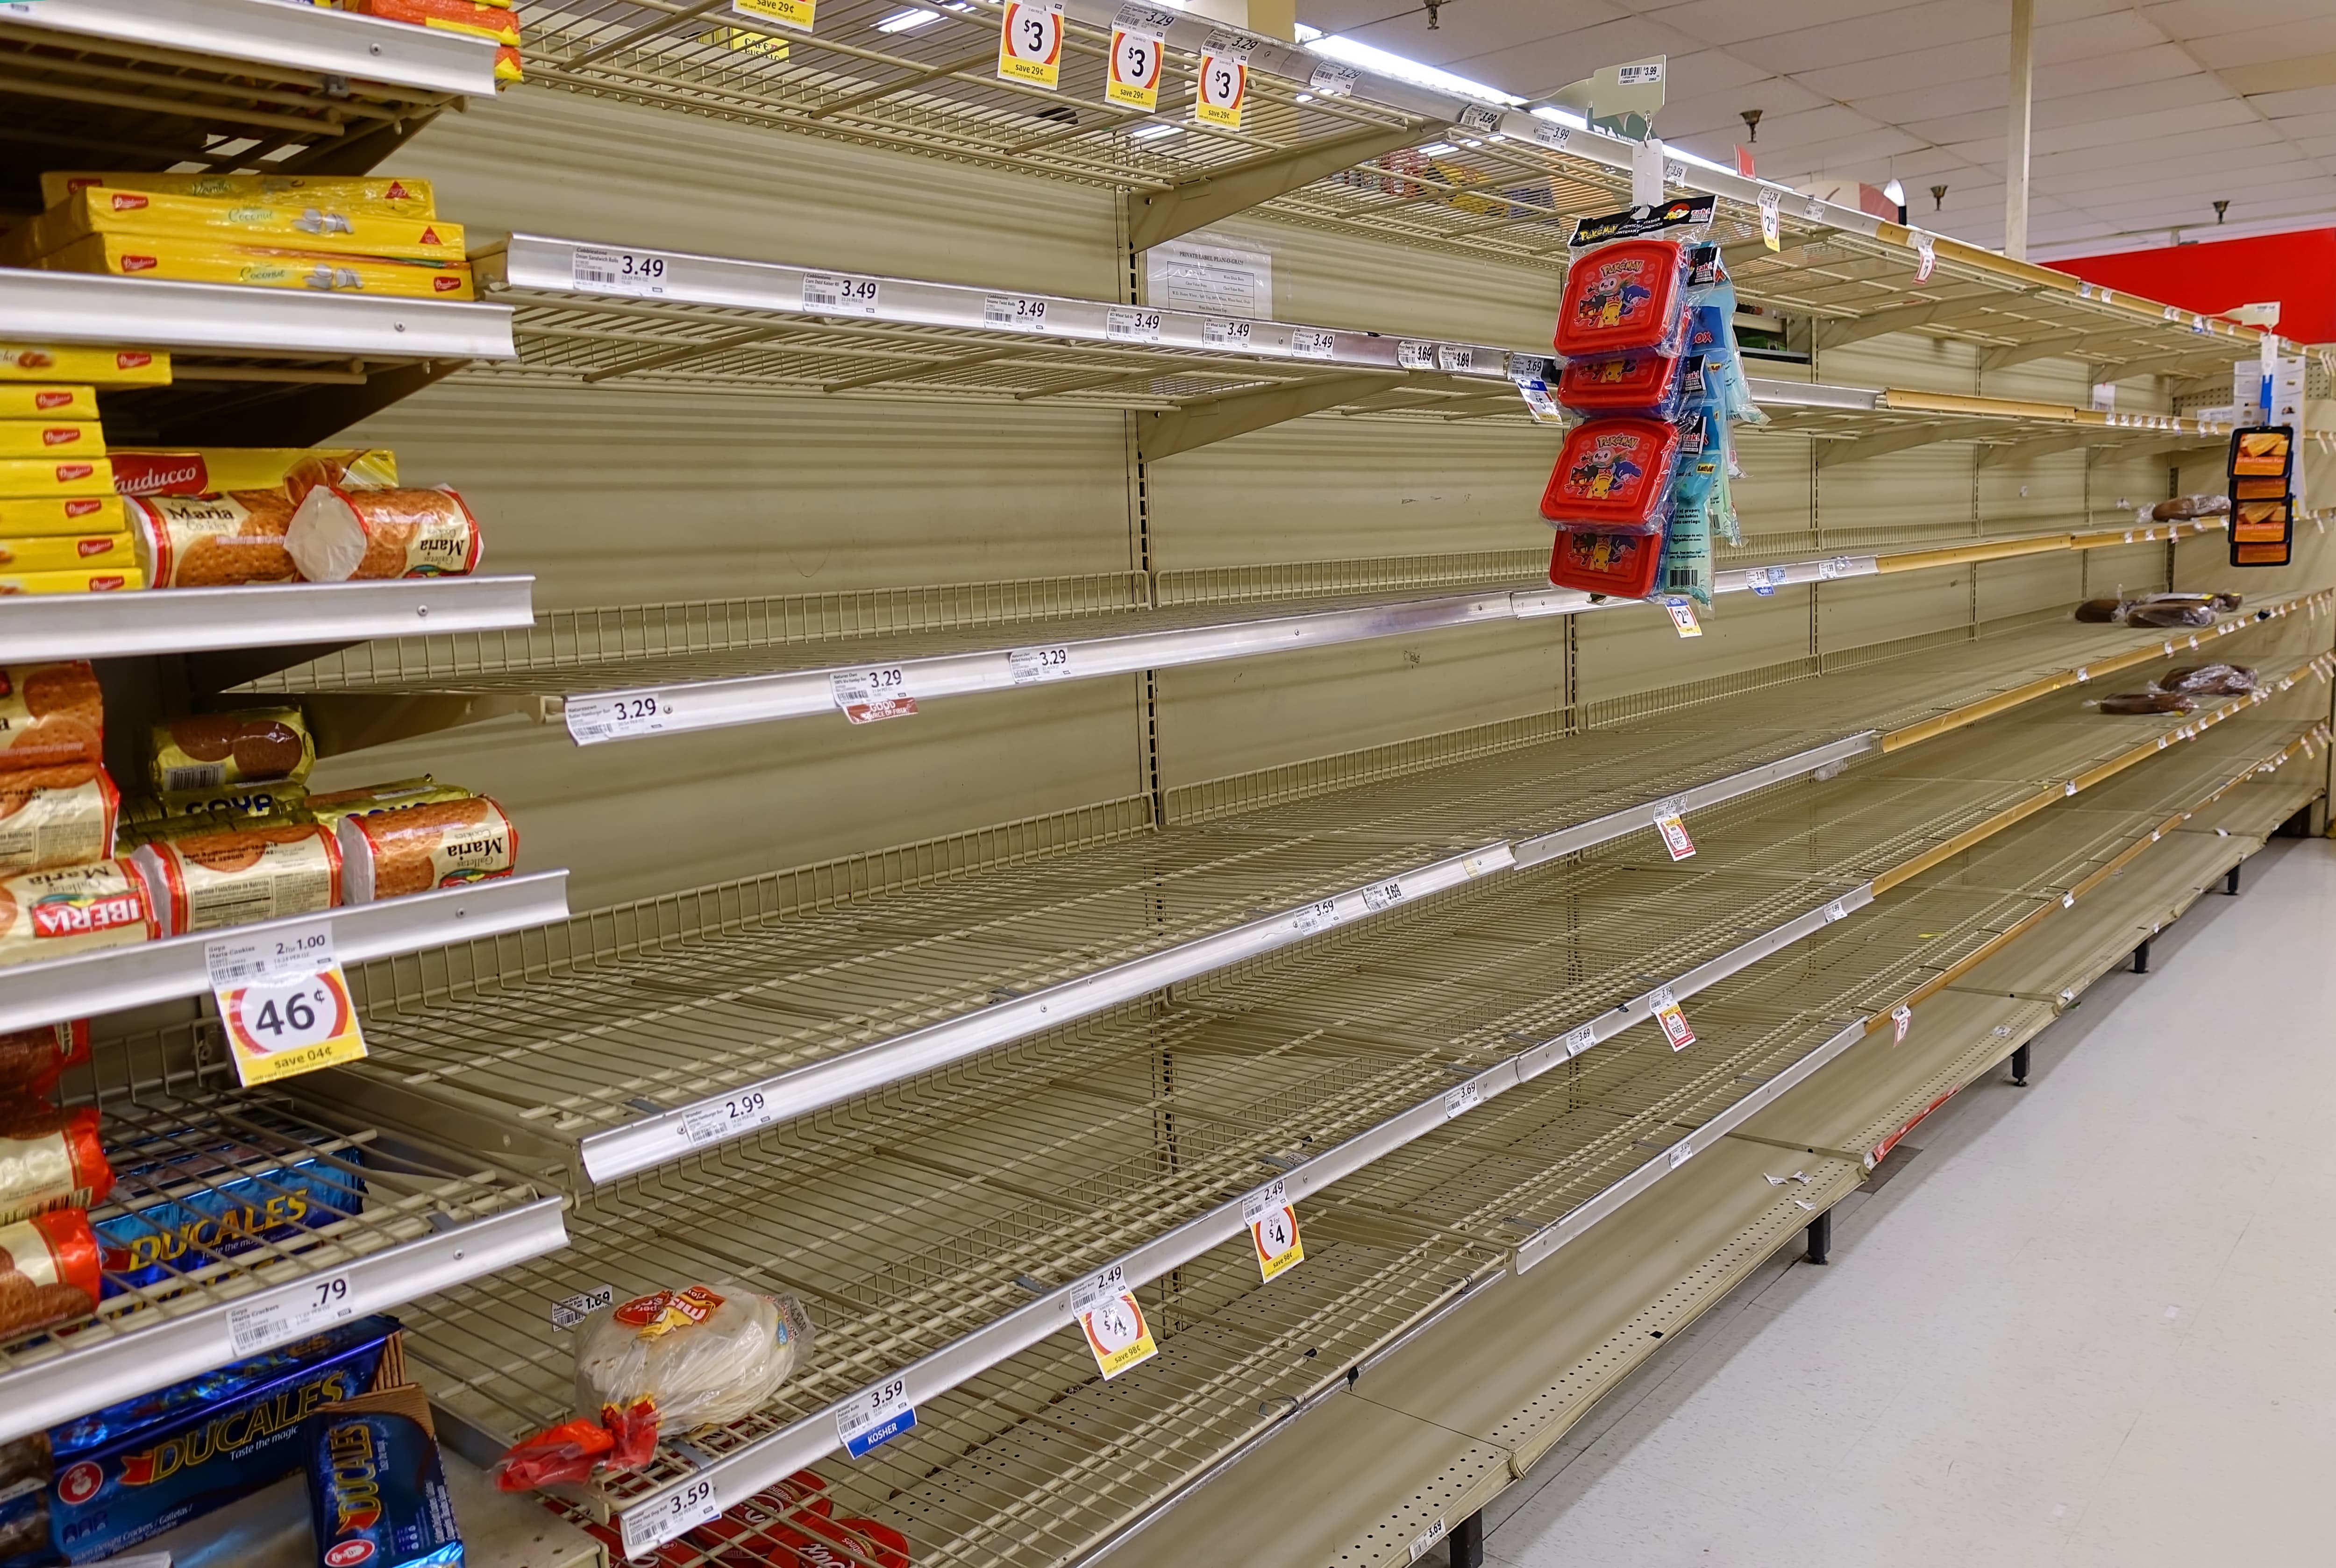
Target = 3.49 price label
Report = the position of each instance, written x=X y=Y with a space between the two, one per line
x=283 y=1003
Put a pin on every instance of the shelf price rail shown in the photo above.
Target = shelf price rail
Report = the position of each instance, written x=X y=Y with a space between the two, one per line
x=1090 y=929
x=742 y=1471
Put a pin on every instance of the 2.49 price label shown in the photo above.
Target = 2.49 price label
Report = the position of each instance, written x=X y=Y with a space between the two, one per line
x=1112 y=1322
x=283 y=1003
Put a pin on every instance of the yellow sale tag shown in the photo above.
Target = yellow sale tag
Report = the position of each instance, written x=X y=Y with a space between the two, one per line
x=785 y=12
x=1030 y=43
x=1118 y=1334
x=1136 y=56
x=283 y=1003
x=1683 y=617
x=1272 y=1229
x=1223 y=86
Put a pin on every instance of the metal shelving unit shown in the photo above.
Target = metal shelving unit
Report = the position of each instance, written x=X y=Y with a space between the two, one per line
x=115 y=978
x=150 y=83
x=636 y=671
x=577 y=1052
x=1365 y=1047
x=256 y=615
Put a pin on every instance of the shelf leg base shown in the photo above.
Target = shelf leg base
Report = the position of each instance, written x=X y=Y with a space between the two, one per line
x=2141 y=958
x=1467 y=1540
x=2020 y=1068
x=1820 y=1238
x=2231 y=881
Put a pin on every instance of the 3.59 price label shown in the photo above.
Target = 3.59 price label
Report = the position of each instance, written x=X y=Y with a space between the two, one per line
x=283 y=1002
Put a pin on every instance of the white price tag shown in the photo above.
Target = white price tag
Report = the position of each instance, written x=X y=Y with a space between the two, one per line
x=616 y=716
x=1554 y=137
x=1112 y=1322
x=1674 y=172
x=1477 y=117
x=1014 y=313
x=1033 y=665
x=1464 y=1099
x=595 y=270
x=1670 y=821
x=841 y=295
x=1454 y=356
x=1334 y=80
x=1674 y=1022
x=1382 y=894
x=2068 y=901
x=570 y=1310
x=1835 y=911
x=1425 y=1540
x=1902 y=1019
x=1926 y=255
x=1771 y=228
x=1833 y=567
x=1256 y=1205
x=1681 y=1152
x=1683 y=619
x=874 y=1418
x=1131 y=324
x=283 y=1002
x=1096 y=1287
x=255 y=1326
x=652 y=1524
x=1316 y=916
x=728 y=1116
x=1312 y=342
x=870 y=695
x=1578 y=1041
x=1415 y=355
x=1225 y=332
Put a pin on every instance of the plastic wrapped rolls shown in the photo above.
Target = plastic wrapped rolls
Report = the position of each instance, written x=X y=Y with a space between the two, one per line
x=338 y=535
x=389 y=854
x=48 y=1270
x=52 y=817
x=51 y=1160
x=208 y=880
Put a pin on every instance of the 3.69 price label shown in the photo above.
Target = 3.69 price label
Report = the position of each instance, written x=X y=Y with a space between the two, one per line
x=283 y=1003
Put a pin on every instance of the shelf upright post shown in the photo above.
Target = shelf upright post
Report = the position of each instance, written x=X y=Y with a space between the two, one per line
x=2141 y=958
x=2015 y=143
x=1467 y=1541
x=2020 y=1068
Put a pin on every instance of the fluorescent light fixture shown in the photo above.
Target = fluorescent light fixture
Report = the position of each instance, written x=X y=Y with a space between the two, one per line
x=1304 y=98
x=907 y=21
x=1154 y=131
x=1438 y=149
x=1363 y=57
x=1560 y=117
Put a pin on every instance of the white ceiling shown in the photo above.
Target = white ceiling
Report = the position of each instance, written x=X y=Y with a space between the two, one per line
x=2145 y=113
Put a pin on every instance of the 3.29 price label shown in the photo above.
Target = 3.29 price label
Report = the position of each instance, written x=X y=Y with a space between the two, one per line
x=283 y=1003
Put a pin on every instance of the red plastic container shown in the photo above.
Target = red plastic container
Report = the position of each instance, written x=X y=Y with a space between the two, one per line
x=1614 y=475
x=1623 y=383
x=1621 y=297
x=1623 y=565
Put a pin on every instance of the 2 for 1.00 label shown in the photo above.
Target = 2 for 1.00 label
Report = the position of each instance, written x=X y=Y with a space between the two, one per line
x=283 y=1003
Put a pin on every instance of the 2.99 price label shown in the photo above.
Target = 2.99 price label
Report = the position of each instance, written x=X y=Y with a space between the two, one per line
x=283 y=1003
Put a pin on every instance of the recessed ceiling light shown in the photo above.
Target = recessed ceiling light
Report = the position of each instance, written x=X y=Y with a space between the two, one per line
x=1438 y=149
x=907 y=21
x=1154 y=131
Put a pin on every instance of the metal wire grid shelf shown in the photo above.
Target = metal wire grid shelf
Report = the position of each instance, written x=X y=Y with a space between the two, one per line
x=567 y=1044
x=226 y=83
x=1050 y=1161
x=230 y=1208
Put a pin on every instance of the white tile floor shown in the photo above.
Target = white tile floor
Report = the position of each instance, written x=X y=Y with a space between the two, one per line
x=2092 y=1322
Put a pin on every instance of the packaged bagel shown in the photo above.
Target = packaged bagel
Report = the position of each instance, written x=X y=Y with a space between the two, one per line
x=339 y=534
x=48 y=1270
x=51 y=1160
x=71 y=909
x=207 y=753
x=2147 y=703
x=213 y=541
x=390 y=853
x=328 y=810
x=204 y=881
x=33 y=1060
x=62 y=816
x=51 y=716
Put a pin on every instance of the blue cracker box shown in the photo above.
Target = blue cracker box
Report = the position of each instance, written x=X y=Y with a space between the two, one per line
x=130 y=1471
x=203 y=1224
x=377 y=1495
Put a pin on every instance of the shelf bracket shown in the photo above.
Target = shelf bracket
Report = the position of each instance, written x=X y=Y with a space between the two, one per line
x=1165 y=215
x=306 y=415
x=1882 y=322
x=2039 y=447
x=1169 y=431
x=2066 y=345
x=1881 y=443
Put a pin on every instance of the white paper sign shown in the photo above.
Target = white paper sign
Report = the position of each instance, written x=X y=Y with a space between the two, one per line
x=1212 y=279
x=595 y=270
x=255 y=1326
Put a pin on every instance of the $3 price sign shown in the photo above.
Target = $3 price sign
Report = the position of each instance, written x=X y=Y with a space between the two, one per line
x=283 y=1003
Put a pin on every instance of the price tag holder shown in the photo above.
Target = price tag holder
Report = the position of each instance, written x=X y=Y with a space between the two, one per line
x=1771 y=228
x=256 y=1326
x=1032 y=666
x=1112 y=1322
x=827 y=295
x=570 y=1310
x=1014 y=313
x=1463 y=1099
x=283 y=1003
x=1312 y=342
x=729 y=1117
x=1674 y=1022
x=1902 y=1019
x=597 y=270
x=592 y=719
x=1272 y=1229
x=1131 y=324
x=795 y=13
x=1683 y=619
x=875 y=1417
x=1139 y=37
x=1670 y=821
x=647 y=1528
x=1030 y=43
x=1223 y=86
x=871 y=696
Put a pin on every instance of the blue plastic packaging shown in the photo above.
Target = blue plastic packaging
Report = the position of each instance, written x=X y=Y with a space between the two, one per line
x=203 y=1224
x=378 y=1496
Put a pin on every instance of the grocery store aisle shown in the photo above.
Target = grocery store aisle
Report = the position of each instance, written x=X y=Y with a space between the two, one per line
x=2092 y=1322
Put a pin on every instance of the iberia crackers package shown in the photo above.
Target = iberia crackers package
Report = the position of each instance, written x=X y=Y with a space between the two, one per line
x=73 y=909
x=446 y=845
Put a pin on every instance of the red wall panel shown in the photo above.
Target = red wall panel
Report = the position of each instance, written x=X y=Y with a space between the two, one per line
x=2299 y=270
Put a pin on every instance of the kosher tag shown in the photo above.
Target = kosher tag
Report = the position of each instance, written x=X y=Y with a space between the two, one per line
x=1272 y=1229
x=1674 y=1022
x=1113 y=1322
x=283 y=1002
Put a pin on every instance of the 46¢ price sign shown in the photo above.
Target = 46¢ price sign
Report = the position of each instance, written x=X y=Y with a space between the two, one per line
x=283 y=1002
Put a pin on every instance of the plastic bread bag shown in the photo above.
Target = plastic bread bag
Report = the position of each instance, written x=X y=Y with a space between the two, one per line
x=2182 y=508
x=2100 y=611
x=672 y=1361
x=2147 y=703
x=2208 y=680
x=1614 y=476
x=1626 y=285
x=51 y=1160
x=2169 y=613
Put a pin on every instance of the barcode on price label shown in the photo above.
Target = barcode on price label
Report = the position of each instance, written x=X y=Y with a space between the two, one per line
x=1130 y=323
x=841 y=295
x=570 y=1310
x=1031 y=666
x=652 y=1524
x=593 y=270
x=1312 y=342
x=1381 y=895
x=1272 y=1195
x=1099 y=1286
x=255 y=1326
x=1015 y=312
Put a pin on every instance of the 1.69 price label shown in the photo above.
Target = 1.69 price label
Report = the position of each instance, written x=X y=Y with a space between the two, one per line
x=283 y=1003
